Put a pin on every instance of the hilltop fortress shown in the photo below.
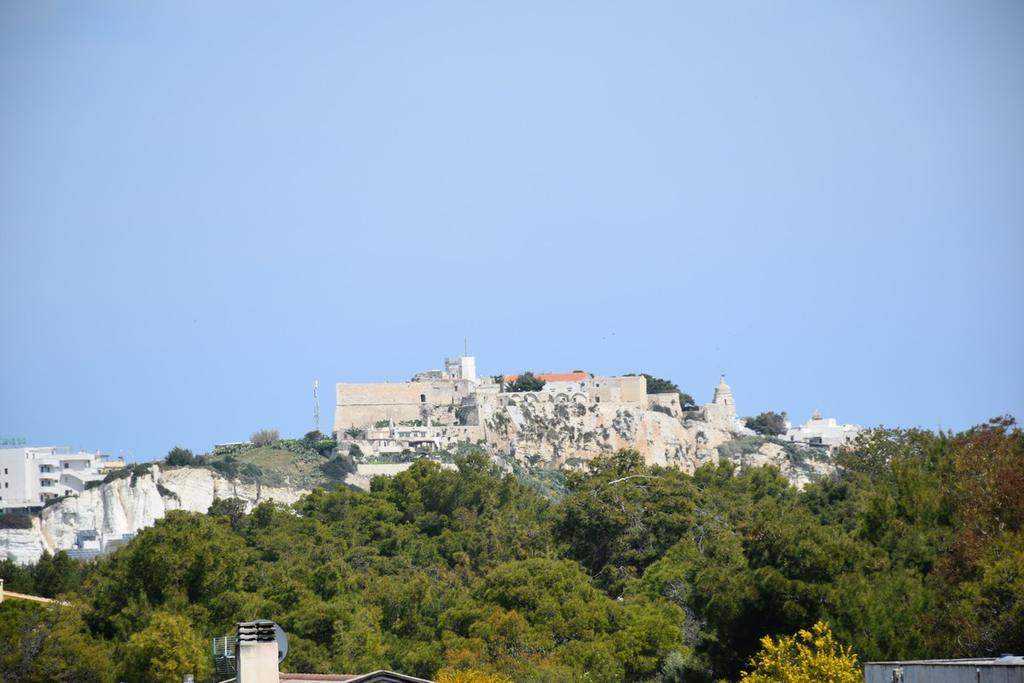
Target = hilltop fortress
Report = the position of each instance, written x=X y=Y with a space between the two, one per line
x=574 y=417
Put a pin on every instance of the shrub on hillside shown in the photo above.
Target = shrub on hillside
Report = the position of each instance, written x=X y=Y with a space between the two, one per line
x=321 y=443
x=768 y=423
x=813 y=655
x=265 y=437
x=339 y=467
x=15 y=520
x=180 y=457
x=134 y=471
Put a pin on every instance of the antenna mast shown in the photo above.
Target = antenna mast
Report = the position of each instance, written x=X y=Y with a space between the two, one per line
x=316 y=405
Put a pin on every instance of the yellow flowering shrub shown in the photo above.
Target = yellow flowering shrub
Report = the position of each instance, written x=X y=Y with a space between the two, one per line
x=806 y=657
x=449 y=675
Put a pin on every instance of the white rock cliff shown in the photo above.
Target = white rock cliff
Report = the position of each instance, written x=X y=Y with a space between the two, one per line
x=568 y=435
x=127 y=505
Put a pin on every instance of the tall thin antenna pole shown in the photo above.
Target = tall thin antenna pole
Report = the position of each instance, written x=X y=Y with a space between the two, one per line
x=316 y=405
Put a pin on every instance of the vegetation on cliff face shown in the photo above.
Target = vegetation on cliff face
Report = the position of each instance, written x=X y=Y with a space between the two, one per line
x=915 y=548
x=303 y=463
x=768 y=423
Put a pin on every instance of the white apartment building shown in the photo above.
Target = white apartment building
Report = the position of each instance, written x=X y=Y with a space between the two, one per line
x=822 y=431
x=31 y=476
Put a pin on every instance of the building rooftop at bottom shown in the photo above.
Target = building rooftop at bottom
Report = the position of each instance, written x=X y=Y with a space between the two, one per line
x=1004 y=669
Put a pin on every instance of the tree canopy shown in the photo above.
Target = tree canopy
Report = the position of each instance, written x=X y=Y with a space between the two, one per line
x=180 y=457
x=768 y=423
x=912 y=549
x=526 y=381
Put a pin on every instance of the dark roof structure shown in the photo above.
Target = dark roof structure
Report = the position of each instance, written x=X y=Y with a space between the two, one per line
x=1005 y=669
x=372 y=677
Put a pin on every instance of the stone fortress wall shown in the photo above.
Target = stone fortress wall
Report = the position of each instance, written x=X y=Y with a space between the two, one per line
x=574 y=417
x=447 y=399
x=361 y=405
x=594 y=389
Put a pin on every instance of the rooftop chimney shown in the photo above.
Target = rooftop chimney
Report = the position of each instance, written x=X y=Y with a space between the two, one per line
x=257 y=654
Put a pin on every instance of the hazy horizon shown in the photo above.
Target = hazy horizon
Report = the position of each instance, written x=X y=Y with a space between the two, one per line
x=204 y=208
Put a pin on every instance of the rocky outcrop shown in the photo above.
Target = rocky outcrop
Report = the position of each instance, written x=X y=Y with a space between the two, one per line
x=125 y=506
x=568 y=434
x=23 y=546
x=800 y=465
x=559 y=435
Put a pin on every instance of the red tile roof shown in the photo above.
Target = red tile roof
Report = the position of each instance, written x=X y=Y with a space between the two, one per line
x=556 y=377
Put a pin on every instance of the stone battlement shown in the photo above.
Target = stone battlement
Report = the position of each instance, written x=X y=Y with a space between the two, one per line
x=455 y=398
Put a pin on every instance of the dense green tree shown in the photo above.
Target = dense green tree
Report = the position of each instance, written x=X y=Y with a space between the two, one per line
x=979 y=603
x=526 y=381
x=623 y=515
x=16 y=577
x=988 y=609
x=180 y=457
x=49 y=643
x=56 y=574
x=324 y=444
x=231 y=508
x=911 y=549
x=542 y=618
x=768 y=423
x=707 y=576
x=163 y=652
x=341 y=465
x=879 y=614
x=186 y=561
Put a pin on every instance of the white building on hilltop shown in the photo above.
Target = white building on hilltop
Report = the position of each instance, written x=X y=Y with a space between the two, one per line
x=822 y=431
x=31 y=476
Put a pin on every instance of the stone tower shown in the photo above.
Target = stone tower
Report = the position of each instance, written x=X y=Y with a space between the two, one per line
x=723 y=397
x=721 y=412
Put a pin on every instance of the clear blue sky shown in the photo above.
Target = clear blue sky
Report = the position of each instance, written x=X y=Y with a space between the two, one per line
x=206 y=206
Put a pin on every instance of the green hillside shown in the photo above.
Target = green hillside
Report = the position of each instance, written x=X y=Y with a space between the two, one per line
x=276 y=465
x=638 y=573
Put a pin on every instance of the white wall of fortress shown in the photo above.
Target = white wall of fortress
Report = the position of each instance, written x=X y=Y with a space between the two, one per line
x=359 y=405
x=362 y=405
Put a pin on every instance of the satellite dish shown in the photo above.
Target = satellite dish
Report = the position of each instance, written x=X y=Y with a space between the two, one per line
x=282 y=643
